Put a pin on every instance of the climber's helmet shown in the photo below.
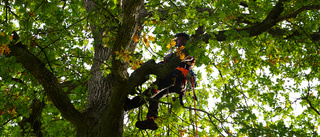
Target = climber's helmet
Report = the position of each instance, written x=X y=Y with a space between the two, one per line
x=181 y=39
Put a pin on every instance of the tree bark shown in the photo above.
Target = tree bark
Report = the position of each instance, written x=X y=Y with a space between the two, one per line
x=106 y=95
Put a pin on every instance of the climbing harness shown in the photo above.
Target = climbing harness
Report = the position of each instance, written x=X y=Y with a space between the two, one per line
x=184 y=71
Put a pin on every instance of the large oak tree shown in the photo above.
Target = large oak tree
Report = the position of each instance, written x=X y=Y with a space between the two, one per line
x=67 y=66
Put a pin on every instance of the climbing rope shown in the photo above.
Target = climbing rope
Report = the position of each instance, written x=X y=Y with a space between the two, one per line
x=194 y=102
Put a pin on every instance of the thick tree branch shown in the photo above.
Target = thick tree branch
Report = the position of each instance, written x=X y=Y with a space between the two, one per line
x=292 y=33
x=294 y=14
x=151 y=67
x=114 y=113
x=98 y=90
x=272 y=19
x=124 y=36
x=254 y=30
x=49 y=82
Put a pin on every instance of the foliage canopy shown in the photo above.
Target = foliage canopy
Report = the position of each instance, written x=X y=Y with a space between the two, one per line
x=65 y=66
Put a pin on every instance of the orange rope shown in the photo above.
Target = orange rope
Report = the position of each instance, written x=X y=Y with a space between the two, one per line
x=194 y=102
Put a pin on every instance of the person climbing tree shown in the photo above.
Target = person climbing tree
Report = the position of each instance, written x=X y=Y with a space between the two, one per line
x=173 y=83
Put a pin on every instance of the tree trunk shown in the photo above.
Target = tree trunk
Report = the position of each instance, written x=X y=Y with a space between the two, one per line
x=106 y=95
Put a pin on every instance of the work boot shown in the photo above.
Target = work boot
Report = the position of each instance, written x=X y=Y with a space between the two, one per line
x=147 y=124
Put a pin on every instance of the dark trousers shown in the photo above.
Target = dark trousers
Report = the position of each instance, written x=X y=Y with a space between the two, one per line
x=165 y=86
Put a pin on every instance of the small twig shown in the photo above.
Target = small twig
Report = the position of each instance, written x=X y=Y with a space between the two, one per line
x=6 y=122
x=306 y=98
x=309 y=102
x=45 y=55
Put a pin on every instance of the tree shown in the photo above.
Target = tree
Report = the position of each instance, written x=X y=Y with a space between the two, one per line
x=264 y=52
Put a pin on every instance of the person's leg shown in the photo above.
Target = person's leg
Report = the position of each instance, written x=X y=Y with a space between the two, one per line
x=139 y=100
x=152 y=113
x=149 y=93
x=165 y=86
x=154 y=103
x=168 y=85
x=149 y=123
